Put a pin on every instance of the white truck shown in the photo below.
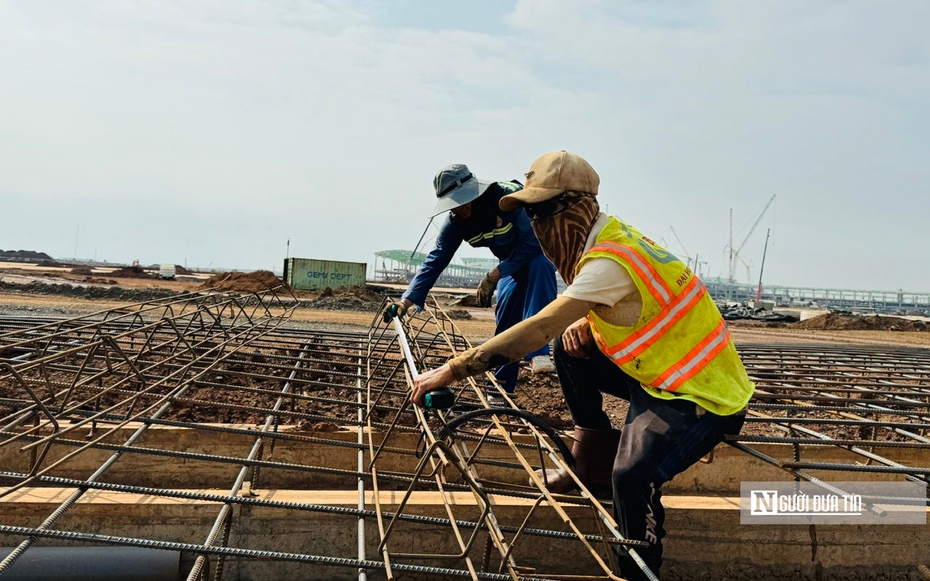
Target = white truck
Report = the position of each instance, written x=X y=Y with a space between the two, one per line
x=166 y=272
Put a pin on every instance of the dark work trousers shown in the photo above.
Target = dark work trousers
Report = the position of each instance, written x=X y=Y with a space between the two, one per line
x=519 y=297
x=659 y=439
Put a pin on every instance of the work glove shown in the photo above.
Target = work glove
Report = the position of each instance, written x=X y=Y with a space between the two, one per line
x=485 y=291
x=395 y=309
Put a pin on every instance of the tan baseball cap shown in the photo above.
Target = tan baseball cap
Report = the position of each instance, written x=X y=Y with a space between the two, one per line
x=549 y=176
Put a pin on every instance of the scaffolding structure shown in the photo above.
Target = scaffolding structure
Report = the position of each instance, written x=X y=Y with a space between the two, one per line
x=866 y=301
x=399 y=266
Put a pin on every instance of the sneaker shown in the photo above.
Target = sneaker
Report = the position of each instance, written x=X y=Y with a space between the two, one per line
x=495 y=398
x=542 y=364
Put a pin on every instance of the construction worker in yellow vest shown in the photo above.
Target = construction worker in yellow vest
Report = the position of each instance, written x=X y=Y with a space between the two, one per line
x=634 y=322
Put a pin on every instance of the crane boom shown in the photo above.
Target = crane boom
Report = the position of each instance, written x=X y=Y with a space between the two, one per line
x=734 y=254
x=756 y=223
x=682 y=244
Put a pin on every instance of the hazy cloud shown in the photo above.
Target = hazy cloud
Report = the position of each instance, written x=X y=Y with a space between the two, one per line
x=214 y=131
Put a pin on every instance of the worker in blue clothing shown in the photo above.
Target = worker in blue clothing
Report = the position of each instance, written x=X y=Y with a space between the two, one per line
x=524 y=278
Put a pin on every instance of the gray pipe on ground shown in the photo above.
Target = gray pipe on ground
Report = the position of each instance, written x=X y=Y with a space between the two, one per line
x=93 y=564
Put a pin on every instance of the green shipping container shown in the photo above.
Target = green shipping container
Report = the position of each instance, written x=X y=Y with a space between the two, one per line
x=310 y=274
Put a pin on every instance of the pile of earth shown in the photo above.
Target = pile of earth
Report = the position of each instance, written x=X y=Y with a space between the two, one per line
x=130 y=272
x=23 y=256
x=178 y=269
x=348 y=298
x=457 y=314
x=50 y=264
x=840 y=322
x=541 y=395
x=89 y=292
x=89 y=277
x=246 y=282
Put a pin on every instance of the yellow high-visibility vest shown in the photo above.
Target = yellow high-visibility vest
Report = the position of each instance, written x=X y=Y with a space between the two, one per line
x=680 y=347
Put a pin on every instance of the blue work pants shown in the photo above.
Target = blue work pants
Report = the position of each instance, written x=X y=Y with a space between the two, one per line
x=519 y=297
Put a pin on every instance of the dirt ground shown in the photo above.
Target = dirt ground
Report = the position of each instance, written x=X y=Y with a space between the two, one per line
x=354 y=309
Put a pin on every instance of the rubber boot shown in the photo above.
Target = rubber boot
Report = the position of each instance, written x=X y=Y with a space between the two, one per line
x=594 y=452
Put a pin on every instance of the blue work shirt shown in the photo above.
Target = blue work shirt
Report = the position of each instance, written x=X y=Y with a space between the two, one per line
x=508 y=235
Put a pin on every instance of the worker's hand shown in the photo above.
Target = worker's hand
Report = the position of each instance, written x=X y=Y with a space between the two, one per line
x=486 y=290
x=430 y=380
x=395 y=309
x=577 y=340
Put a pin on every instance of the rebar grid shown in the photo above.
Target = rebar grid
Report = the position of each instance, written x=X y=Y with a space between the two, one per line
x=70 y=389
x=97 y=384
x=117 y=351
x=462 y=447
x=859 y=399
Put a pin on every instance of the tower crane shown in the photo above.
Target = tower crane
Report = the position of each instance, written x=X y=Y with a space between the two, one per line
x=686 y=256
x=693 y=262
x=734 y=254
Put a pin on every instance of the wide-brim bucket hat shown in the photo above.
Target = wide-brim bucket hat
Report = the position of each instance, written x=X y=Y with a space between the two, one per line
x=456 y=186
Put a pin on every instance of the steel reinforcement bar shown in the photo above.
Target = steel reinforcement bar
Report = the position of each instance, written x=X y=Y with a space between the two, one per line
x=870 y=401
x=120 y=401
x=87 y=392
x=466 y=445
x=121 y=366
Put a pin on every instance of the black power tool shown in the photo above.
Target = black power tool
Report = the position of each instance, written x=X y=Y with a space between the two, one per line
x=440 y=398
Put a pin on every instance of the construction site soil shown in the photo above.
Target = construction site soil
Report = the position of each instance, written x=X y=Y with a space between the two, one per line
x=354 y=309
x=247 y=282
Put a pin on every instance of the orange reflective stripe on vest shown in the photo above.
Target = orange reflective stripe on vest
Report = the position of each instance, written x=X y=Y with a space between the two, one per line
x=638 y=342
x=695 y=360
x=655 y=283
x=679 y=348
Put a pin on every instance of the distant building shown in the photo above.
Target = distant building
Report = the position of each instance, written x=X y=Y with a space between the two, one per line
x=866 y=301
x=399 y=267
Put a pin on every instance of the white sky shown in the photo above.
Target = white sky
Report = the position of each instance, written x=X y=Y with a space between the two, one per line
x=210 y=132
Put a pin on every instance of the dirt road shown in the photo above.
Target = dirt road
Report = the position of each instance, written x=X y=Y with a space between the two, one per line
x=478 y=328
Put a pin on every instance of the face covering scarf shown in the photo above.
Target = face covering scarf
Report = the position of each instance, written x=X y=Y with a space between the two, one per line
x=563 y=235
